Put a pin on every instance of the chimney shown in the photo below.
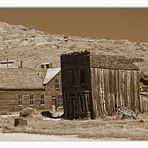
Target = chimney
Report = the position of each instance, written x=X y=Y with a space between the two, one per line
x=7 y=63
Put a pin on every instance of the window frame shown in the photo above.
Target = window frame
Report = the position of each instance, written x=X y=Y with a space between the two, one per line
x=57 y=84
x=31 y=100
x=20 y=100
x=42 y=100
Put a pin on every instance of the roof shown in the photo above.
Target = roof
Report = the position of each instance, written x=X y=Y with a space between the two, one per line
x=51 y=73
x=21 y=78
x=111 y=62
x=104 y=61
x=46 y=63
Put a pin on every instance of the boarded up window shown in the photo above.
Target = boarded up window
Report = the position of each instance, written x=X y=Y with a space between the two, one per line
x=82 y=76
x=31 y=100
x=20 y=101
x=42 y=101
x=83 y=104
x=54 y=100
x=59 y=101
x=57 y=84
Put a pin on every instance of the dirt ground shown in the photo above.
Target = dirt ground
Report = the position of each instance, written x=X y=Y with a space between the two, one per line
x=109 y=128
x=38 y=137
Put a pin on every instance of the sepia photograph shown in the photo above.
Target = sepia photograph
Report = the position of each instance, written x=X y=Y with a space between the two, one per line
x=74 y=74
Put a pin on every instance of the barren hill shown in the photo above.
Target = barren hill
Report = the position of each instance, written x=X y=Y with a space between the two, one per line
x=35 y=47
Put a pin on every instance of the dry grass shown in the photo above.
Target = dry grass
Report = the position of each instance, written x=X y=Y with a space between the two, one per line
x=98 y=129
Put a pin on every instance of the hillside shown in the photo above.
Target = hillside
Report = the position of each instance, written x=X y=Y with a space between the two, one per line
x=35 y=47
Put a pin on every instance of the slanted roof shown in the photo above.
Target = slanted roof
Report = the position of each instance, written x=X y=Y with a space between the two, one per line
x=51 y=73
x=21 y=78
x=111 y=62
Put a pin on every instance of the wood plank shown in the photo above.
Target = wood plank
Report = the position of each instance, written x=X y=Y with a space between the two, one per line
x=106 y=90
x=103 y=93
x=135 y=92
x=100 y=92
x=128 y=90
x=93 y=101
x=117 y=88
x=111 y=85
x=96 y=91
x=132 y=89
x=120 y=88
x=113 y=90
x=125 y=88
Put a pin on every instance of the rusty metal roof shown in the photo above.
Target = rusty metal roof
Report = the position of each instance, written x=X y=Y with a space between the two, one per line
x=111 y=62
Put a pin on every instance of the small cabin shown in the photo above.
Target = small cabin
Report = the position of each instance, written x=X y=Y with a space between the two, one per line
x=46 y=65
x=95 y=85
x=9 y=64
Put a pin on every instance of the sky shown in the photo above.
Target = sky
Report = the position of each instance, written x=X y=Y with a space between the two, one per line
x=108 y=23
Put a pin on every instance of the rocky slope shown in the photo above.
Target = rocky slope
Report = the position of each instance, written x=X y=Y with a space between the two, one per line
x=35 y=47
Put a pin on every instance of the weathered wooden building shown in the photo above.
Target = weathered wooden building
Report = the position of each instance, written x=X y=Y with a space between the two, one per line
x=95 y=85
x=144 y=93
x=36 y=88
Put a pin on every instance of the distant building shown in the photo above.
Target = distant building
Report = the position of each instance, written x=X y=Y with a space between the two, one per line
x=9 y=64
x=95 y=85
x=46 y=65
x=37 y=88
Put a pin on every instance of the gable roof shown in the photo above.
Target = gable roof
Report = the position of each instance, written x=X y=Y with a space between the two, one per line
x=51 y=73
x=21 y=78
x=111 y=62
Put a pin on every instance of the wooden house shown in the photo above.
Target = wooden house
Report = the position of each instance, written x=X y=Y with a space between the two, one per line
x=95 y=85
x=36 y=88
x=144 y=93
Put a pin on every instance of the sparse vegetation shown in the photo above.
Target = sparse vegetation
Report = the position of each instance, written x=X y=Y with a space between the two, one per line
x=103 y=128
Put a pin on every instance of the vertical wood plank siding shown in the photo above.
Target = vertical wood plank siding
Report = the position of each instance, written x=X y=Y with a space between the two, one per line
x=143 y=102
x=114 y=88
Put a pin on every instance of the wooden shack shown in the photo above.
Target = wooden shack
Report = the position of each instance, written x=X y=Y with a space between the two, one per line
x=144 y=93
x=95 y=85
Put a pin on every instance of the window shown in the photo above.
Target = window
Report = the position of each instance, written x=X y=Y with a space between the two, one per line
x=42 y=102
x=59 y=101
x=42 y=66
x=47 y=65
x=54 y=100
x=31 y=100
x=82 y=76
x=20 y=101
x=57 y=84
